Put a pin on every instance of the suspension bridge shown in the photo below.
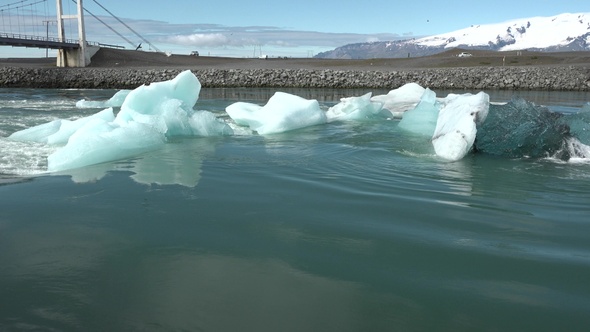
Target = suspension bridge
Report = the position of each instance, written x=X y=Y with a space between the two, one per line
x=26 y=23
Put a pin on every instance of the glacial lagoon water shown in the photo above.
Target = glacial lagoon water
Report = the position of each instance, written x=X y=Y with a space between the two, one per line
x=348 y=226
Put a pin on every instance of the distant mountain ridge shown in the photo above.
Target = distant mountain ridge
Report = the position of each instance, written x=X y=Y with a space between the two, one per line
x=563 y=32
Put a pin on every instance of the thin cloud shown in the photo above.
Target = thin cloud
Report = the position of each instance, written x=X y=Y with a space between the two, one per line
x=220 y=36
x=200 y=39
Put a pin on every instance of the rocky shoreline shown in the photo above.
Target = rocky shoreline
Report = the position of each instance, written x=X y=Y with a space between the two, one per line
x=558 y=78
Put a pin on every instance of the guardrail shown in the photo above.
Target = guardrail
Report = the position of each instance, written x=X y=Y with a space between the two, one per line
x=45 y=39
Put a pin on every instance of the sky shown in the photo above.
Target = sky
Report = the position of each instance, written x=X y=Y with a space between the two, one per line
x=238 y=28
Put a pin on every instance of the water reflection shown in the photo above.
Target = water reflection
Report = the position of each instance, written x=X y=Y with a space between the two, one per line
x=176 y=163
x=220 y=293
x=71 y=274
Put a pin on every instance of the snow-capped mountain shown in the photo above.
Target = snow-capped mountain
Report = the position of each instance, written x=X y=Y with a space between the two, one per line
x=531 y=33
x=564 y=32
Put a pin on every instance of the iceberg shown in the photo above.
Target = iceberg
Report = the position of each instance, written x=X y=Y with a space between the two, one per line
x=283 y=112
x=149 y=116
x=354 y=108
x=152 y=114
x=522 y=129
x=58 y=131
x=579 y=124
x=180 y=92
x=400 y=100
x=100 y=141
x=38 y=133
x=167 y=106
x=422 y=119
x=245 y=114
x=115 y=101
x=456 y=126
x=450 y=123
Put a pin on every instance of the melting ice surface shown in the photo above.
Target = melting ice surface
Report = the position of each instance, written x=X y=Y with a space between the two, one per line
x=283 y=112
x=152 y=114
x=455 y=130
x=149 y=116
x=115 y=101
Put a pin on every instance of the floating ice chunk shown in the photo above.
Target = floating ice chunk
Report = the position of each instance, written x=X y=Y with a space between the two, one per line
x=68 y=128
x=115 y=101
x=401 y=99
x=204 y=123
x=579 y=124
x=168 y=107
x=456 y=125
x=99 y=141
x=244 y=114
x=59 y=131
x=282 y=112
x=37 y=133
x=148 y=116
x=354 y=108
x=422 y=119
x=150 y=99
x=522 y=129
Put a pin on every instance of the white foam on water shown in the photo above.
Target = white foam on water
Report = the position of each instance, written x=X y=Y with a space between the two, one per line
x=23 y=158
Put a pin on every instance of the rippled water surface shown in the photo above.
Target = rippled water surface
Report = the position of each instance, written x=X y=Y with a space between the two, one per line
x=340 y=227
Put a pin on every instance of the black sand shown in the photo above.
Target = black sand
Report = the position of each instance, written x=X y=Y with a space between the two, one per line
x=111 y=68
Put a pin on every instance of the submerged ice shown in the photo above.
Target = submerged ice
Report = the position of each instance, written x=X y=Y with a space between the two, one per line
x=421 y=120
x=523 y=129
x=454 y=125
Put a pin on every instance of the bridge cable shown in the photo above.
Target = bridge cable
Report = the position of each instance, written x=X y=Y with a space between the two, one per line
x=33 y=20
x=20 y=7
x=108 y=26
x=3 y=25
x=128 y=27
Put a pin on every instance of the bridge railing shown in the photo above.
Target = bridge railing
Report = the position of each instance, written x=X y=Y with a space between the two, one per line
x=42 y=39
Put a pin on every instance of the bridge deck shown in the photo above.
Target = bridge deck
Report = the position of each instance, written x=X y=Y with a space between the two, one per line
x=40 y=42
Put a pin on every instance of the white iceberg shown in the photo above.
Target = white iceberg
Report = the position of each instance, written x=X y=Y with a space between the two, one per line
x=457 y=122
x=450 y=122
x=400 y=100
x=283 y=112
x=354 y=108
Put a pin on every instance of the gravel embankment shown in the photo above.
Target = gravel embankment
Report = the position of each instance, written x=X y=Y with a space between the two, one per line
x=570 y=78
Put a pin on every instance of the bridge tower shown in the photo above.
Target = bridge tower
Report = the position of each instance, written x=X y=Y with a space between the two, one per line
x=79 y=57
